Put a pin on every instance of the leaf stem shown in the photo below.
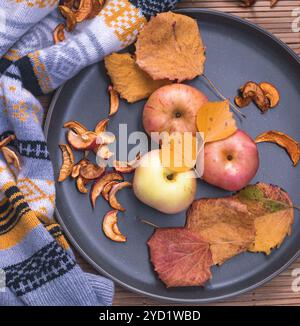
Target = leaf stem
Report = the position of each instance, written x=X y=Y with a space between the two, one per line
x=148 y=223
x=266 y=200
x=234 y=107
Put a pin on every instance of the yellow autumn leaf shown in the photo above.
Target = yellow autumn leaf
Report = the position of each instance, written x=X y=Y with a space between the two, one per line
x=216 y=121
x=271 y=230
x=179 y=152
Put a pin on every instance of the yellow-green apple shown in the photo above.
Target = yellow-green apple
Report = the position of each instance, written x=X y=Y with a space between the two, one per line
x=232 y=162
x=157 y=186
x=172 y=108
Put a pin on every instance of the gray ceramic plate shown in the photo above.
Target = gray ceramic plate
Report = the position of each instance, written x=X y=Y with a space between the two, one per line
x=237 y=51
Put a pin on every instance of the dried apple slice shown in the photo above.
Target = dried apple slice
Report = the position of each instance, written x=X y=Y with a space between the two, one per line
x=283 y=140
x=99 y=130
x=107 y=189
x=81 y=185
x=114 y=101
x=59 y=33
x=68 y=162
x=254 y=91
x=116 y=229
x=77 y=167
x=110 y=227
x=85 y=141
x=70 y=17
x=7 y=140
x=271 y=93
x=113 y=192
x=68 y=3
x=242 y=102
x=100 y=183
x=75 y=171
x=104 y=152
x=101 y=126
x=135 y=162
x=84 y=10
x=76 y=126
x=11 y=157
x=96 y=8
x=123 y=169
x=105 y=138
x=127 y=167
x=91 y=171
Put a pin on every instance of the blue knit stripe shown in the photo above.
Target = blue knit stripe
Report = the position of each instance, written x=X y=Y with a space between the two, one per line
x=70 y=289
x=153 y=7
x=26 y=247
x=45 y=265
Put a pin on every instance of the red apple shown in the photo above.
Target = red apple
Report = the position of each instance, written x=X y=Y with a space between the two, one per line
x=232 y=162
x=173 y=108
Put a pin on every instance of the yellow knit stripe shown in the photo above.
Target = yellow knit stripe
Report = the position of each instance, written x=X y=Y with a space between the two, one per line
x=2 y=203
x=8 y=185
x=124 y=18
x=59 y=237
x=9 y=216
x=13 y=212
x=40 y=71
x=27 y=223
x=43 y=218
x=27 y=220
x=36 y=3
x=61 y=240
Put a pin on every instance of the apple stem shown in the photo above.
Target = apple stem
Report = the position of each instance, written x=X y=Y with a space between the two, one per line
x=148 y=223
x=222 y=96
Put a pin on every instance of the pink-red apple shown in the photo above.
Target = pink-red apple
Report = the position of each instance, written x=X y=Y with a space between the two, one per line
x=172 y=108
x=231 y=163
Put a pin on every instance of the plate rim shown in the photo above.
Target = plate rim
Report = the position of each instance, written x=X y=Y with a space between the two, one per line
x=97 y=267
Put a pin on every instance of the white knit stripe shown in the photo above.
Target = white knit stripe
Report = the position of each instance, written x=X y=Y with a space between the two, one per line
x=105 y=35
x=18 y=18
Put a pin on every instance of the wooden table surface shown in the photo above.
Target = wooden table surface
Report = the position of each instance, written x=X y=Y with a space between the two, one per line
x=279 y=21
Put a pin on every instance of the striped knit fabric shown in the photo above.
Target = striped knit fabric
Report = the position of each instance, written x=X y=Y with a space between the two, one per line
x=18 y=16
x=37 y=266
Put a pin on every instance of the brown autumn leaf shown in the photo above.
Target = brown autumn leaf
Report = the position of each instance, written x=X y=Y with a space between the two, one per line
x=170 y=47
x=274 y=216
x=132 y=83
x=283 y=140
x=225 y=223
x=180 y=257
